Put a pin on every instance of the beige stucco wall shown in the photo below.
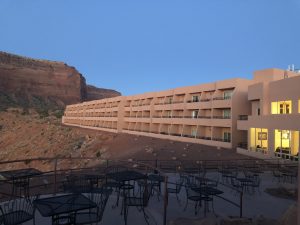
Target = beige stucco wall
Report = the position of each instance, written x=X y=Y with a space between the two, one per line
x=150 y=114
x=272 y=86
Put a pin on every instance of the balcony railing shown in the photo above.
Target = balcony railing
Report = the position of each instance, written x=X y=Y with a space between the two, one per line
x=204 y=137
x=188 y=136
x=243 y=117
x=222 y=98
x=205 y=100
x=221 y=139
x=193 y=101
x=221 y=117
x=243 y=145
x=204 y=117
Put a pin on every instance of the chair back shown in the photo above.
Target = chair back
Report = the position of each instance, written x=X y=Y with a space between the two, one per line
x=101 y=200
x=145 y=192
x=115 y=169
x=78 y=184
x=18 y=207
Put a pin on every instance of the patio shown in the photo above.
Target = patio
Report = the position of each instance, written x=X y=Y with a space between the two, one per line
x=141 y=180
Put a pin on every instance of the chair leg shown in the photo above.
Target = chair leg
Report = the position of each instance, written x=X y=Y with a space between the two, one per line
x=125 y=214
x=145 y=216
x=186 y=203
x=178 y=200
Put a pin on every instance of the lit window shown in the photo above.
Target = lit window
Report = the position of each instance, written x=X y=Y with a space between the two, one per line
x=259 y=140
x=286 y=143
x=282 y=107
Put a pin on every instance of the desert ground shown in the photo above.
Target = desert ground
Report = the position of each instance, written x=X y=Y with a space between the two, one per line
x=28 y=135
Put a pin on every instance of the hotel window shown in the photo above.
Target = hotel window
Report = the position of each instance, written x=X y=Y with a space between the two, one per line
x=226 y=113
x=227 y=136
x=195 y=114
x=286 y=143
x=281 y=107
x=195 y=98
x=227 y=94
x=169 y=114
x=258 y=111
x=194 y=131
x=170 y=100
x=259 y=140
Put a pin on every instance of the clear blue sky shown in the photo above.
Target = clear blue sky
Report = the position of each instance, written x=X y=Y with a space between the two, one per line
x=136 y=46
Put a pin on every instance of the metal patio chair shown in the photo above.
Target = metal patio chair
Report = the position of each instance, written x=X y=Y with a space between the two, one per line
x=18 y=211
x=93 y=215
x=140 y=201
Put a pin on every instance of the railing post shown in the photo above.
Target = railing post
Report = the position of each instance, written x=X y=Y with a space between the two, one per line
x=55 y=175
x=241 y=204
x=165 y=200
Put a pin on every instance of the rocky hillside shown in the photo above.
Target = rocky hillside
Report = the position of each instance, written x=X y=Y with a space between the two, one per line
x=30 y=136
x=93 y=93
x=36 y=83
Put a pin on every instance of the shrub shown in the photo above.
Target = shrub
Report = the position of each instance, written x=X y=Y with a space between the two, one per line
x=58 y=114
x=98 y=154
x=43 y=113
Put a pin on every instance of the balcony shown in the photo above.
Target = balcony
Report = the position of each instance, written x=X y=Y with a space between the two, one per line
x=204 y=137
x=243 y=145
x=205 y=100
x=243 y=117
x=221 y=139
x=193 y=101
x=221 y=117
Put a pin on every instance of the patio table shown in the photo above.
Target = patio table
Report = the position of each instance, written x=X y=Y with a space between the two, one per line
x=127 y=175
x=208 y=191
x=19 y=178
x=245 y=182
x=64 y=204
x=94 y=178
x=21 y=173
x=124 y=177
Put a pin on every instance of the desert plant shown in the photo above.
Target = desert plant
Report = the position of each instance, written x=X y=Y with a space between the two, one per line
x=43 y=113
x=25 y=111
x=58 y=114
x=98 y=154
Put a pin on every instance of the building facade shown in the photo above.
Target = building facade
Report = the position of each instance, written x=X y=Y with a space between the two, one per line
x=248 y=115
x=273 y=123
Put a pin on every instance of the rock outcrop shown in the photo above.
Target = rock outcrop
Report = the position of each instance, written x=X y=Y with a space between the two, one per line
x=93 y=93
x=34 y=83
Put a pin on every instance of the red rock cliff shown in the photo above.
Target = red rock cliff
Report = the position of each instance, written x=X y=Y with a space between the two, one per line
x=27 y=81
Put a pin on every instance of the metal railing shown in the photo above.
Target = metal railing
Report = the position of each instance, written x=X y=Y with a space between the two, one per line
x=56 y=168
x=56 y=174
x=243 y=117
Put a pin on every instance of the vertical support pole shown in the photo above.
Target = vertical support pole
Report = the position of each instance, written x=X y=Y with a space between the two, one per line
x=165 y=200
x=55 y=175
x=241 y=204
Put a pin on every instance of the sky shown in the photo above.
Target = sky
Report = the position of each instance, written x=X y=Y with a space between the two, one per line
x=137 y=46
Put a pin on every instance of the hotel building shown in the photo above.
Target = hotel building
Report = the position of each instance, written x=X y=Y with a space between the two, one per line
x=273 y=123
x=255 y=116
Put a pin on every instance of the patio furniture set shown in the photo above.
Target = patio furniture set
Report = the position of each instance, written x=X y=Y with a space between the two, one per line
x=83 y=196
